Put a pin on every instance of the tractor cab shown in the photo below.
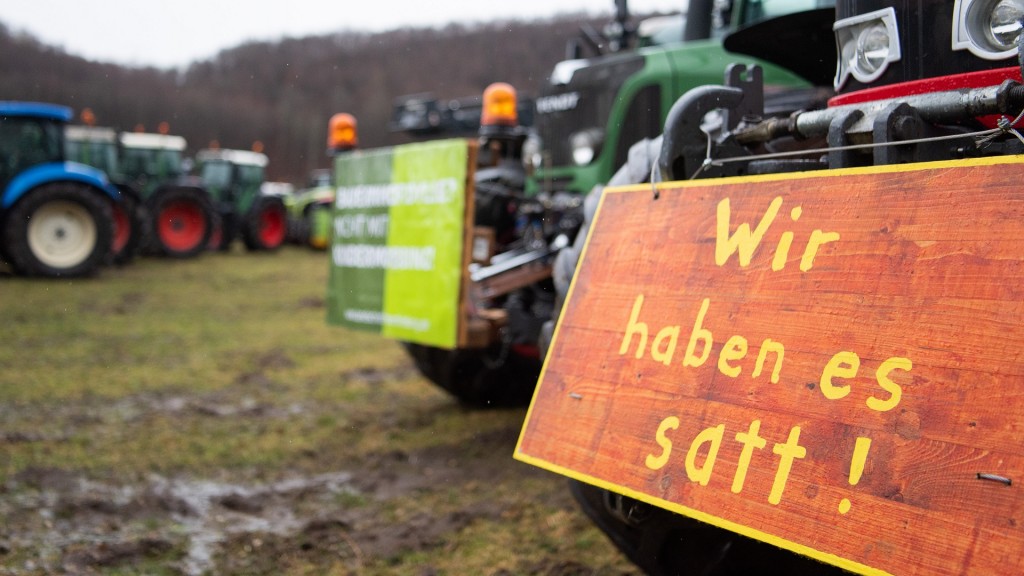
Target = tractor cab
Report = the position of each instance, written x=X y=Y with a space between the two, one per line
x=30 y=135
x=152 y=159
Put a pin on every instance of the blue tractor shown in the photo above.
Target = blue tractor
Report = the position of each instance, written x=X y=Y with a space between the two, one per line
x=55 y=216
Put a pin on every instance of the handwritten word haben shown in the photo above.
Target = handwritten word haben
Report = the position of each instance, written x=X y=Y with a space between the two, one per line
x=744 y=243
x=843 y=365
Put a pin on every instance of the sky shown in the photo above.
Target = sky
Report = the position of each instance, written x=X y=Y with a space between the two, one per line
x=169 y=34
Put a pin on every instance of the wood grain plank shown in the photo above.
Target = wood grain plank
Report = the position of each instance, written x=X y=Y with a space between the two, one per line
x=901 y=329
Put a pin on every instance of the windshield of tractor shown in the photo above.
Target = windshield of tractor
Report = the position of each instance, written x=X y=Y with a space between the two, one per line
x=160 y=164
x=98 y=154
x=216 y=173
x=249 y=175
x=25 y=142
x=660 y=30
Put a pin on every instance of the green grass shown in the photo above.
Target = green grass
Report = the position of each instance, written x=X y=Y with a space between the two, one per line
x=235 y=329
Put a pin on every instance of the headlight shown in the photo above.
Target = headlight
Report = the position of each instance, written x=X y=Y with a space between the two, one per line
x=585 y=146
x=989 y=29
x=867 y=43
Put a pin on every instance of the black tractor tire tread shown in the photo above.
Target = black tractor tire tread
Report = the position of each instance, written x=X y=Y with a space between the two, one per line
x=474 y=378
x=15 y=229
x=138 y=218
x=251 y=226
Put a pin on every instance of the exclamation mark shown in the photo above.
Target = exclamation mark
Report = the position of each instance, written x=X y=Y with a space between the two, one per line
x=860 y=457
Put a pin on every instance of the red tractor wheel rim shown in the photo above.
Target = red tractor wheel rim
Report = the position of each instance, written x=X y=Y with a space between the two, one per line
x=181 y=225
x=272 y=227
x=122 y=229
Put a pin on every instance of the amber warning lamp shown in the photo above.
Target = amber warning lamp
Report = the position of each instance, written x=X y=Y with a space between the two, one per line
x=499 y=109
x=341 y=133
x=88 y=117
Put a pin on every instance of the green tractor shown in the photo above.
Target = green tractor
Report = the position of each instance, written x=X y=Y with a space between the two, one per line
x=97 y=147
x=181 y=216
x=165 y=214
x=588 y=114
x=234 y=179
x=593 y=108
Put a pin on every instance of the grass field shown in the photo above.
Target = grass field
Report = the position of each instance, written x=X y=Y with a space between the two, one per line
x=200 y=417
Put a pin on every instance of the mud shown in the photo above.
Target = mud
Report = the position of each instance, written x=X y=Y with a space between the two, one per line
x=60 y=521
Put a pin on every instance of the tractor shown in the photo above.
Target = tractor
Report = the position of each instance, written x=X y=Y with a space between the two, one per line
x=164 y=214
x=56 y=216
x=179 y=211
x=914 y=82
x=234 y=179
x=97 y=146
x=588 y=114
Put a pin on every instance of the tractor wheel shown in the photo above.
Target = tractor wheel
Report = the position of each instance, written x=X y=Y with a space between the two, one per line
x=663 y=543
x=129 y=227
x=59 y=230
x=298 y=230
x=478 y=378
x=266 y=224
x=182 y=221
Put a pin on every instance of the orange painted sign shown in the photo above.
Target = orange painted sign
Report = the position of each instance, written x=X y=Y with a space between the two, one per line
x=831 y=362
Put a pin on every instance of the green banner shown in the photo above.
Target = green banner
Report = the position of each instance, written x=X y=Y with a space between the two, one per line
x=396 y=257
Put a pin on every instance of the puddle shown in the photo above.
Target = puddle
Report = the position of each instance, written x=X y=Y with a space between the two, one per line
x=214 y=511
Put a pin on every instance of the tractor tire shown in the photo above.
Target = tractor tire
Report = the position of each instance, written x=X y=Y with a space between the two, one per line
x=130 y=227
x=182 y=221
x=59 y=230
x=298 y=230
x=225 y=229
x=478 y=378
x=663 y=543
x=266 y=224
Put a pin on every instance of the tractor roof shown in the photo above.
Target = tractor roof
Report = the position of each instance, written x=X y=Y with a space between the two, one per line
x=152 y=141
x=79 y=133
x=34 y=110
x=244 y=157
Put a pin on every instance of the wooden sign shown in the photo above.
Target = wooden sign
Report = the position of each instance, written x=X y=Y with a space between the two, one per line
x=830 y=362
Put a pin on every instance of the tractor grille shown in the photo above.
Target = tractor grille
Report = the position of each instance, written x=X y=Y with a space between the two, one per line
x=585 y=102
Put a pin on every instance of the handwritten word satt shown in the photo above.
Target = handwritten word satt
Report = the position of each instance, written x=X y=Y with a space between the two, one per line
x=831 y=362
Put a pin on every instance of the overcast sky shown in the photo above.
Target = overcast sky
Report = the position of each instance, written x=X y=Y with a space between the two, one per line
x=174 y=33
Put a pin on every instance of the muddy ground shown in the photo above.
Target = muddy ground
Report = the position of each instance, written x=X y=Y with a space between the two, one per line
x=342 y=521
x=200 y=418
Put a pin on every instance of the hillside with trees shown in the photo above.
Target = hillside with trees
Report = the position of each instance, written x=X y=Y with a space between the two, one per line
x=282 y=93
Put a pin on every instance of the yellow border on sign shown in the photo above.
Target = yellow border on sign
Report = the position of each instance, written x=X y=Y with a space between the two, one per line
x=684 y=510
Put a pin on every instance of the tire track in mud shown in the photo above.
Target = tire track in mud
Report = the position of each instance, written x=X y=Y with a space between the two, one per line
x=75 y=524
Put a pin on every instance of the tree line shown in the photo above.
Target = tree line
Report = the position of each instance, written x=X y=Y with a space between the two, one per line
x=282 y=93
